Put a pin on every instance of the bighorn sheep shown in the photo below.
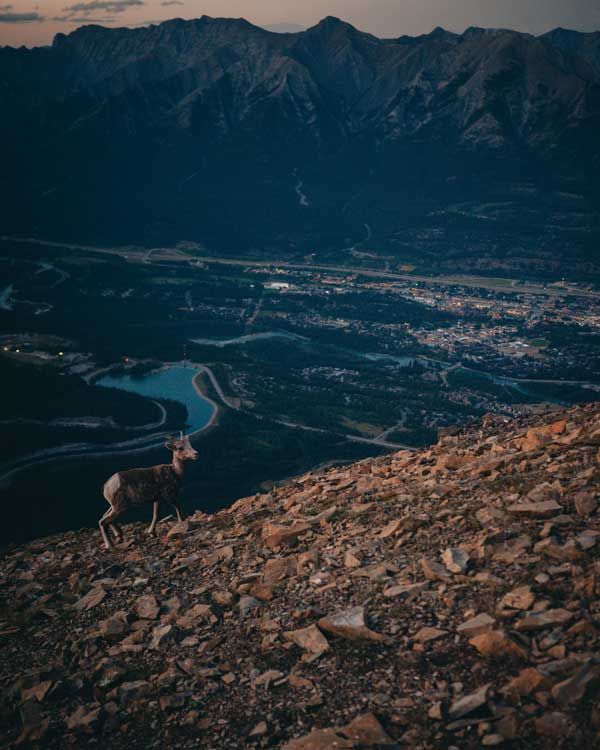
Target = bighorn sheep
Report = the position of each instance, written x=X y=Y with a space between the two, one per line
x=156 y=484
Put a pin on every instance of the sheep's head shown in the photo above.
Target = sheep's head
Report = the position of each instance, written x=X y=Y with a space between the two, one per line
x=182 y=448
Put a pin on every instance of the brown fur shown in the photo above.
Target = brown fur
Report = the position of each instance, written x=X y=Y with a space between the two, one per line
x=156 y=484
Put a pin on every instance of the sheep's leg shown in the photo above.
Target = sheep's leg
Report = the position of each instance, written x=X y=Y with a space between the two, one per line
x=152 y=528
x=178 y=511
x=102 y=523
x=116 y=530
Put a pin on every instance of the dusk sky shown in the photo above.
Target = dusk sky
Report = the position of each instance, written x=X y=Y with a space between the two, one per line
x=31 y=23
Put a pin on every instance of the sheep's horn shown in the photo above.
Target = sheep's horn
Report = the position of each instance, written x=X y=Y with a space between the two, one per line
x=181 y=434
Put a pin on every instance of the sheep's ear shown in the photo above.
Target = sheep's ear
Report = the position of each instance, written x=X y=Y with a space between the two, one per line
x=169 y=446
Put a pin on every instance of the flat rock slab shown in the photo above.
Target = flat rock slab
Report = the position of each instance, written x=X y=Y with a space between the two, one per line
x=547 y=619
x=519 y=598
x=321 y=739
x=310 y=639
x=367 y=731
x=543 y=509
x=363 y=732
x=194 y=615
x=489 y=517
x=223 y=554
x=405 y=589
x=279 y=568
x=393 y=527
x=476 y=625
x=527 y=682
x=434 y=571
x=350 y=624
x=469 y=703
x=91 y=599
x=425 y=635
x=495 y=643
x=276 y=536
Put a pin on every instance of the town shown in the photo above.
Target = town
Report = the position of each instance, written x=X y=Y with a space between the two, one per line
x=380 y=356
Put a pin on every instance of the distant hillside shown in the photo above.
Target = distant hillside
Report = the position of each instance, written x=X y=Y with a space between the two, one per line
x=205 y=129
x=437 y=599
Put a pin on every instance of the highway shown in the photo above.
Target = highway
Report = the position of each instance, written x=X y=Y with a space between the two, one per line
x=144 y=255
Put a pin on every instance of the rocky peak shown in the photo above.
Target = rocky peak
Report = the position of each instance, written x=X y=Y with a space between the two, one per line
x=435 y=598
x=583 y=45
x=440 y=33
x=331 y=24
x=482 y=88
x=330 y=35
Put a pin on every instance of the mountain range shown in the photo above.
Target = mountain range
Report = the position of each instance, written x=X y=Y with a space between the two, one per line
x=243 y=139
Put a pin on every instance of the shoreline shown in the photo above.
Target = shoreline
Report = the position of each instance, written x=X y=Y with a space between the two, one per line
x=138 y=445
x=157 y=440
x=213 y=422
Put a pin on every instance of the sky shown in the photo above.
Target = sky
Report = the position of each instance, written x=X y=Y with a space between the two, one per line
x=35 y=22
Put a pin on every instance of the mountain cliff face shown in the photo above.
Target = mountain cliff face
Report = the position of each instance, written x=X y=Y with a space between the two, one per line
x=161 y=116
x=586 y=46
x=496 y=87
x=435 y=599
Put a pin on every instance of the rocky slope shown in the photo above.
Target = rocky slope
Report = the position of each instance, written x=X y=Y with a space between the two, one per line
x=445 y=598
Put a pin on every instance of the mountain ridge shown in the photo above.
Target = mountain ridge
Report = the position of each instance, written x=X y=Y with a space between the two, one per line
x=241 y=109
x=419 y=599
x=557 y=32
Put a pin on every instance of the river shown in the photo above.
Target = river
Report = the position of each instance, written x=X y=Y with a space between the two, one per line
x=247 y=339
x=524 y=386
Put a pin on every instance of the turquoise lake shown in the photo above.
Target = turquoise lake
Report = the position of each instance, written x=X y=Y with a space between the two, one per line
x=174 y=383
